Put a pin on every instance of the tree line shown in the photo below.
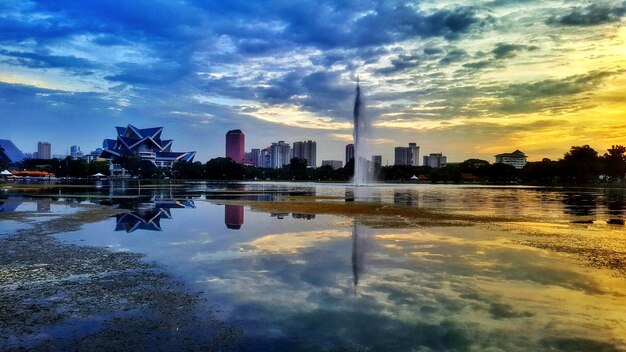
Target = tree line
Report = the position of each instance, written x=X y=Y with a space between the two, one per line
x=580 y=165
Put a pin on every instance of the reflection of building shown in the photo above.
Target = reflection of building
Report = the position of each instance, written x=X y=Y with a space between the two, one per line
x=145 y=143
x=435 y=160
x=349 y=152
x=516 y=159
x=303 y=216
x=44 y=150
x=335 y=164
x=43 y=207
x=306 y=150
x=149 y=214
x=233 y=216
x=9 y=152
x=407 y=155
x=279 y=215
x=235 y=145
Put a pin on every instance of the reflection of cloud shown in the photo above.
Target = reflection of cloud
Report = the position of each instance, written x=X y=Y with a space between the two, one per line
x=295 y=241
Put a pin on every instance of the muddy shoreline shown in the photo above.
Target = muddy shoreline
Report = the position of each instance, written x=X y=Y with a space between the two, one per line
x=110 y=300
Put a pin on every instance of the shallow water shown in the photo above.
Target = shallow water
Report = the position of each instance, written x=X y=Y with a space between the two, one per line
x=322 y=282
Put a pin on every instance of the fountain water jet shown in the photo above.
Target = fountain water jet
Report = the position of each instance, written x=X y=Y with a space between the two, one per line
x=362 y=165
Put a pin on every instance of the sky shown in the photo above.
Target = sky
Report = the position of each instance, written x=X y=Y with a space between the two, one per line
x=470 y=79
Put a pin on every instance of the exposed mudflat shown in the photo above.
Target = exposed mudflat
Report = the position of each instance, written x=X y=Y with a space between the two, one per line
x=113 y=301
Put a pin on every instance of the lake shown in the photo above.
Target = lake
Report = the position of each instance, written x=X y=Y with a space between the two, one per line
x=206 y=266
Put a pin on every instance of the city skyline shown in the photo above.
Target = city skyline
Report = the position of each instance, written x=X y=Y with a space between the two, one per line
x=474 y=79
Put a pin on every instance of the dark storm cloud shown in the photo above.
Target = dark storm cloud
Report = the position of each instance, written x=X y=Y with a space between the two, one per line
x=591 y=15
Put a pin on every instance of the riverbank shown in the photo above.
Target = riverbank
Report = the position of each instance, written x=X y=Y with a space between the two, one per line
x=105 y=297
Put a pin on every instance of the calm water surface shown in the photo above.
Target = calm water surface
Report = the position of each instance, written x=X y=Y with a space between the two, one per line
x=295 y=281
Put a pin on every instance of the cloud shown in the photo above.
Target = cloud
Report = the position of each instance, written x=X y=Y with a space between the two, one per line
x=507 y=51
x=46 y=60
x=592 y=15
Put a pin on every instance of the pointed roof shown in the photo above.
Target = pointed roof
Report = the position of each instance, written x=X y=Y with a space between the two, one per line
x=9 y=152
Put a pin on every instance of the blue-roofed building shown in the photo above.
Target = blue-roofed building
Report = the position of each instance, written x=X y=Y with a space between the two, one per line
x=145 y=143
x=9 y=152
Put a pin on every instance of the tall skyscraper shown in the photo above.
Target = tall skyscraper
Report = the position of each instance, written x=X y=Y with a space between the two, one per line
x=280 y=154
x=414 y=151
x=407 y=155
x=349 y=152
x=256 y=157
x=44 y=150
x=306 y=150
x=235 y=145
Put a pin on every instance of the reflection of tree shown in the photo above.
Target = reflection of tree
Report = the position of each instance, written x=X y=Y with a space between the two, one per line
x=615 y=204
x=406 y=197
x=580 y=203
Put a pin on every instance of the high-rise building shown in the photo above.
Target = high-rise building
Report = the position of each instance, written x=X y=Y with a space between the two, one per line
x=75 y=152
x=44 y=150
x=414 y=151
x=377 y=160
x=280 y=154
x=306 y=150
x=435 y=160
x=517 y=159
x=255 y=155
x=349 y=152
x=407 y=155
x=235 y=145
x=266 y=157
x=335 y=164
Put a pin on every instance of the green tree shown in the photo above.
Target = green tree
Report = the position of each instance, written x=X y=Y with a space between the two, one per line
x=297 y=169
x=224 y=169
x=95 y=167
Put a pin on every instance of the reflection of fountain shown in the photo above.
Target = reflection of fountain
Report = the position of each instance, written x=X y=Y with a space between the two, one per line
x=358 y=255
x=149 y=214
x=233 y=216
x=362 y=165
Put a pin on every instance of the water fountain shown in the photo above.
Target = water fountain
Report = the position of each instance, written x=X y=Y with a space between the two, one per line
x=361 y=133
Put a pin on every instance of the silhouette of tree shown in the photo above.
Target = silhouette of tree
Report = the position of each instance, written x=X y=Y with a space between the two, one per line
x=581 y=165
x=614 y=162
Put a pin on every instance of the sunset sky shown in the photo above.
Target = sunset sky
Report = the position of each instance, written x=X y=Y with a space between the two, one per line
x=469 y=79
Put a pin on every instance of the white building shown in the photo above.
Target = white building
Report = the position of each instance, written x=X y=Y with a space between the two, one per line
x=280 y=154
x=435 y=160
x=517 y=159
